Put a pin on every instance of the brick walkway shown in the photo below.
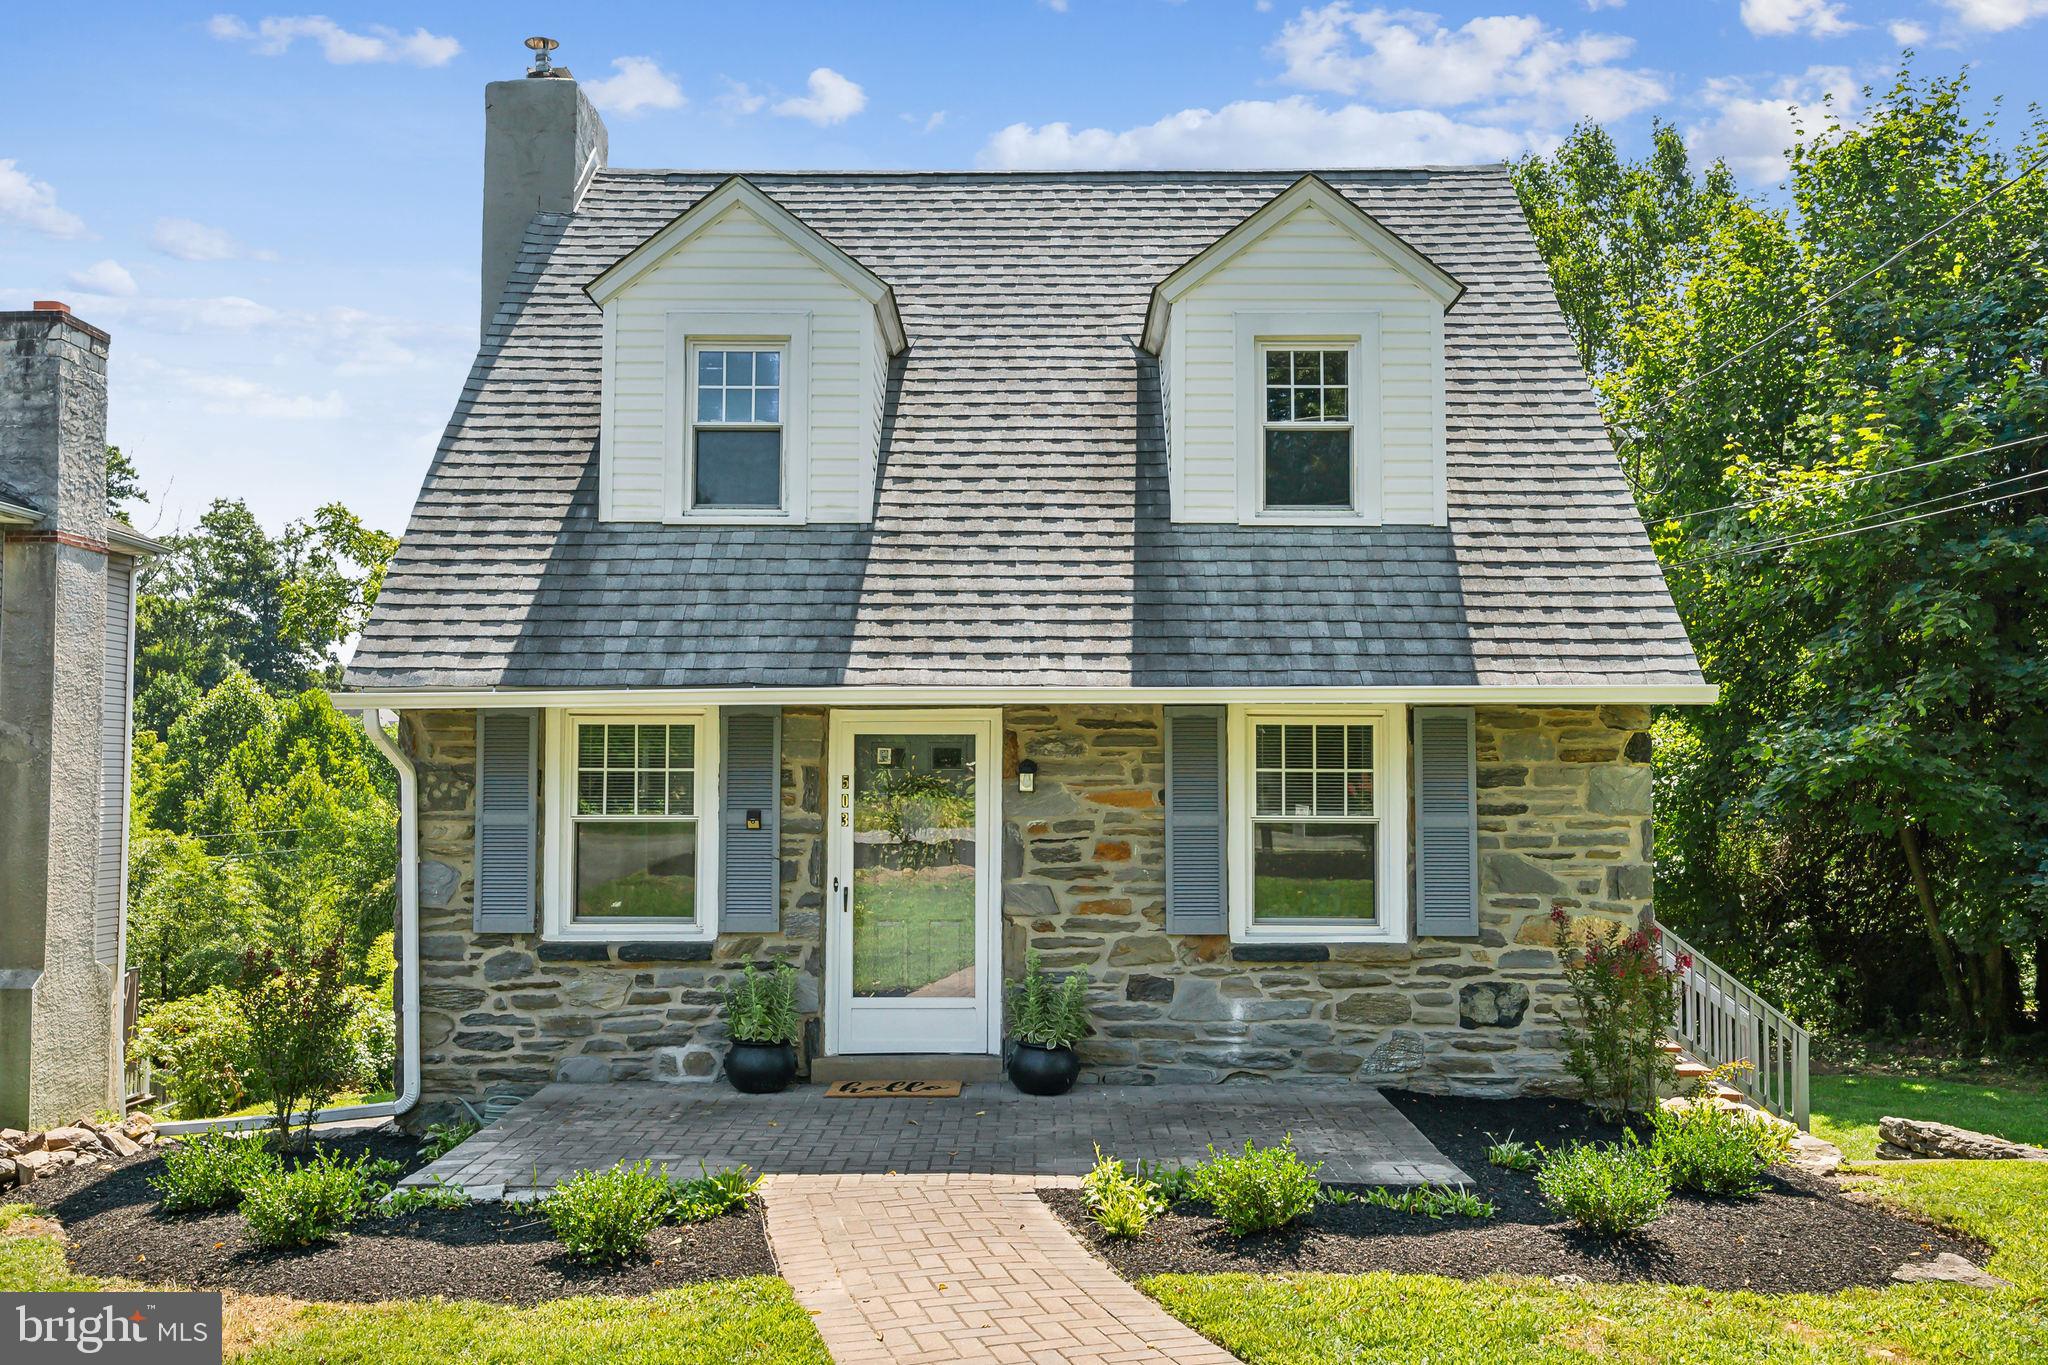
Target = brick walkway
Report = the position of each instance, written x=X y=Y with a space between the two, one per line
x=959 y=1268
x=991 y=1129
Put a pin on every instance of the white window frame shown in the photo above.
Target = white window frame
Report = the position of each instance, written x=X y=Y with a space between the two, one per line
x=1353 y=330
x=1390 y=805
x=1266 y=347
x=558 y=902
x=788 y=333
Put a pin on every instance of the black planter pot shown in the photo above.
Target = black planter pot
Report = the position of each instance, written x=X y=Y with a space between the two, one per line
x=760 y=1068
x=1039 y=1070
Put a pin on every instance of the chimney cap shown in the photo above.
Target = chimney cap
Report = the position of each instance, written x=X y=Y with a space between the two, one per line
x=51 y=306
x=543 y=67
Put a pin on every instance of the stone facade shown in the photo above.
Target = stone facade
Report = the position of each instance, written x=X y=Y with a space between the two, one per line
x=1564 y=808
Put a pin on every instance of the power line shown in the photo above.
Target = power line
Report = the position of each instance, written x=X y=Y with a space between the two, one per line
x=1861 y=478
x=1954 y=218
x=1750 y=552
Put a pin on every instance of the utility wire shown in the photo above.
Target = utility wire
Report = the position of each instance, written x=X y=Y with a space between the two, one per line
x=1863 y=518
x=1752 y=551
x=1783 y=494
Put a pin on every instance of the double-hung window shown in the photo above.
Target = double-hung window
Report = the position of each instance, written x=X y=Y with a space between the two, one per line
x=635 y=852
x=736 y=434
x=1306 y=453
x=1319 y=812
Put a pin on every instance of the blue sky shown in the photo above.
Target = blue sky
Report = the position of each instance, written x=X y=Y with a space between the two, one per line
x=275 y=211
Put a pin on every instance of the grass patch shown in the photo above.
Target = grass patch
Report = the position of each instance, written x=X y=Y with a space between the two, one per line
x=1325 y=1319
x=264 y=1109
x=1284 y=898
x=756 y=1319
x=1846 y=1108
x=911 y=929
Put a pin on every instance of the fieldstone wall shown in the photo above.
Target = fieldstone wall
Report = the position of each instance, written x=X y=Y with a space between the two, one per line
x=1564 y=821
x=507 y=1013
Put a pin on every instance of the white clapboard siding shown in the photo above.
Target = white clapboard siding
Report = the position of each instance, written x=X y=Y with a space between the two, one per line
x=739 y=264
x=110 y=868
x=1309 y=263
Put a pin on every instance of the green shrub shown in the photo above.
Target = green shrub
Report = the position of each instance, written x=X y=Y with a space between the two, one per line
x=761 y=1007
x=1046 y=1012
x=297 y=1013
x=604 y=1217
x=1121 y=1203
x=1613 y=1189
x=199 y=1049
x=1431 y=1201
x=1512 y=1154
x=442 y=1138
x=313 y=1201
x=1625 y=1000
x=1264 y=1189
x=1708 y=1151
x=1171 y=1183
x=414 y=1198
x=709 y=1195
x=372 y=1041
x=212 y=1170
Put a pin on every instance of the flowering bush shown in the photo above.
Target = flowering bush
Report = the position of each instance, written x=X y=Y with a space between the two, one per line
x=1626 y=999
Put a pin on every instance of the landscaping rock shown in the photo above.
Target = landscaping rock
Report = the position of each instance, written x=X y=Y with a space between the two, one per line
x=1948 y=1268
x=1916 y=1139
x=8 y=1175
x=32 y=1165
x=62 y=1139
x=1817 y=1155
x=119 y=1143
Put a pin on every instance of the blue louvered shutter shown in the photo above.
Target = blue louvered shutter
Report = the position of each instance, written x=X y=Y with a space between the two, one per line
x=750 y=837
x=1197 y=899
x=507 y=778
x=1446 y=823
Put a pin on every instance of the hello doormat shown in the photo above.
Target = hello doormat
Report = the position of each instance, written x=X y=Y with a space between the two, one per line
x=893 y=1090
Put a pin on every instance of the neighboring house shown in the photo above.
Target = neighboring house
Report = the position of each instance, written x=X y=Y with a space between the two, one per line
x=67 y=626
x=1220 y=582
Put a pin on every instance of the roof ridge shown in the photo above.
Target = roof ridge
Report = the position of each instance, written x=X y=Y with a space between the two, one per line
x=1486 y=168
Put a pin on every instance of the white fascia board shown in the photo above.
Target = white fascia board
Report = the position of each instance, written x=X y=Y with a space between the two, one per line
x=14 y=514
x=739 y=190
x=1527 y=694
x=1439 y=283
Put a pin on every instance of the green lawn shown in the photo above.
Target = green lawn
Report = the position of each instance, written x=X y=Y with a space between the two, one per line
x=1324 y=1319
x=1287 y=898
x=1846 y=1108
x=755 y=1319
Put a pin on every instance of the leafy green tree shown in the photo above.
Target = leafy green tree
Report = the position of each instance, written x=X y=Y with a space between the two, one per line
x=124 y=484
x=1872 y=782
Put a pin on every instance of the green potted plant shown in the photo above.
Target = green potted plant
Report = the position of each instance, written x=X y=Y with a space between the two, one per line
x=1047 y=1018
x=761 y=1017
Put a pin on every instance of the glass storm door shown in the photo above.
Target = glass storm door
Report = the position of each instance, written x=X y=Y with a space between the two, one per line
x=911 y=945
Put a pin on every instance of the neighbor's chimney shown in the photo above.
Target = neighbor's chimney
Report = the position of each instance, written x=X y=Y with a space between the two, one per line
x=542 y=143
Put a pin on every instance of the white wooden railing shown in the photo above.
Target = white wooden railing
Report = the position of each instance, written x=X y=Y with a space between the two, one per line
x=1721 y=1021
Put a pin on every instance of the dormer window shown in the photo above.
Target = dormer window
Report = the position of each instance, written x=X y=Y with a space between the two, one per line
x=736 y=437
x=1306 y=446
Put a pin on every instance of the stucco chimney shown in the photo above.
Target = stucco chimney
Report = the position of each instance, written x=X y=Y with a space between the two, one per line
x=542 y=143
x=59 y=964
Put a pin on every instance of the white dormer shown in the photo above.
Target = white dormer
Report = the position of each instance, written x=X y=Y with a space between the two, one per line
x=744 y=364
x=1302 y=358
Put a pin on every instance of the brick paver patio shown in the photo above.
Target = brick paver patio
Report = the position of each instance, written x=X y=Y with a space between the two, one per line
x=959 y=1268
x=990 y=1129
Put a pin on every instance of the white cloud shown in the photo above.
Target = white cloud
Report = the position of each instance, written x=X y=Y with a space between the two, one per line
x=33 y=204
x=833 y=99
x=105 y=277
x=1906 y=33
x=227 y=395
x=640 y=85
x=1751 y=131
x=1256 y=133
x=1605 y=4
x=1780 y=18
x=739 y=98
x=189 y=240
x=925 y=123
x=1997 y=15
x=273 y=36
x=1505 y=67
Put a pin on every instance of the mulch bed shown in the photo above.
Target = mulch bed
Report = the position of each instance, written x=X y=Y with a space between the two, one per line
x=1798 y=1236
x=494 y=1252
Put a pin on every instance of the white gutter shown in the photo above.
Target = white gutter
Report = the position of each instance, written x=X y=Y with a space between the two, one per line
x=1527 y=694
x=408 y=959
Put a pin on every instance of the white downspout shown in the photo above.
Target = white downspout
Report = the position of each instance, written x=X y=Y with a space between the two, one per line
x=408 y=948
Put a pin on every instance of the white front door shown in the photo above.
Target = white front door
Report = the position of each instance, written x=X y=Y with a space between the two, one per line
x=911 y=942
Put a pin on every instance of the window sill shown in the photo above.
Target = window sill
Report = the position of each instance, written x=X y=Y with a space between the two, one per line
x=737 y=517
x=1270 y=937
x=1307 y=517
x=645 y=931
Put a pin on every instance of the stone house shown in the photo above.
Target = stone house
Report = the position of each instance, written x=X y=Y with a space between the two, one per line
x=1218 y=582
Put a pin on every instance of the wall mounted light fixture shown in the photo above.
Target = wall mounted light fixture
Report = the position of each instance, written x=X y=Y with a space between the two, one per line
x=1027 y=776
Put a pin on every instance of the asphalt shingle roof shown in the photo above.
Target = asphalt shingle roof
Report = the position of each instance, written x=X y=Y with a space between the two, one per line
x=1021 y=534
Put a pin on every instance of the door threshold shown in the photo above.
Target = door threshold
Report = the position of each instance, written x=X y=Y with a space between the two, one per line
x=966 y=1067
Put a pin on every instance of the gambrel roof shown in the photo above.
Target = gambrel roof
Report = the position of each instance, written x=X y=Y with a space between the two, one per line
x=1021 y=534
